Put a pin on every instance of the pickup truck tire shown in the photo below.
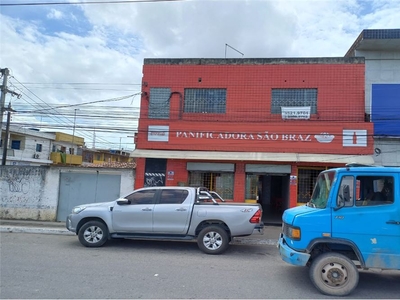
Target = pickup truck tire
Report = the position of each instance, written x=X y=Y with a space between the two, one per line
x=334 y=274
x=93 y=234
x=213 y=240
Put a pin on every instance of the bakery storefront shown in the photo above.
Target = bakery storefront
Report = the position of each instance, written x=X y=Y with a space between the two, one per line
x=275 y=166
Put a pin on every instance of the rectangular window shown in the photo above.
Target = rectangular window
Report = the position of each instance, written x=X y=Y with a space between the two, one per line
x=374 y=190
x=345 y=196
x=251 y=192
x=305 y=183
x=222 y=183
x=142 y=197
x=208 y=101
x=159 y=103
x=38 y=147
x=16 y=145
x=293 y=98
x=173 y=196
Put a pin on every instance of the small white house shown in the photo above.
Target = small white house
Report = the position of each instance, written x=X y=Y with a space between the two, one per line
x=28 y=147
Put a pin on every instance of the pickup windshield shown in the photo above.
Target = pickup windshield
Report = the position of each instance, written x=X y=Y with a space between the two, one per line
x=322 y=188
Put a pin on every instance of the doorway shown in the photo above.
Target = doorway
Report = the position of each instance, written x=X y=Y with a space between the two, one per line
x=273 y=195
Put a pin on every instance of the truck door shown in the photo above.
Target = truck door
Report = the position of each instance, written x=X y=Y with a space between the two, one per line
x=137 y=215
x=370 y=217
x=172 y=212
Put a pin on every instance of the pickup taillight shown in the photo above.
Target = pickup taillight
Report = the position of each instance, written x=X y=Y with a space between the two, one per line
x=256 y=218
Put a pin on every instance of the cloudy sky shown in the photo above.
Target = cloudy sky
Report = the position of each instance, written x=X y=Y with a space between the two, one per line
x=63 y=56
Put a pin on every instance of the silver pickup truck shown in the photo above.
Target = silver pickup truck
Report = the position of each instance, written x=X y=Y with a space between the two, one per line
x=174 y=213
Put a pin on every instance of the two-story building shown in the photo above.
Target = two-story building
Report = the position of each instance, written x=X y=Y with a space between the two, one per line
x=31 y=147
x=381 y=49
x=251 y=128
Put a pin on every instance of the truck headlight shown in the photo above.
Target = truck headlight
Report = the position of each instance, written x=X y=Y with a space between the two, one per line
x=292 y=232
x=78 y=209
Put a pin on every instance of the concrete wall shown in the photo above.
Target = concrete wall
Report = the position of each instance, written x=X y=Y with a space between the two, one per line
x=387 y=152
x=31 y=193
x=28 y=192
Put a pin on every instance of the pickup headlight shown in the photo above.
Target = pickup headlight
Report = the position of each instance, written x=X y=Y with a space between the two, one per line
x=78 y=209
x=292 y=232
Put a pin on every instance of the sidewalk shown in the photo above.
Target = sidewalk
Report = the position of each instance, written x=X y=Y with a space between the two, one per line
x=270 y=236
x=34 y=227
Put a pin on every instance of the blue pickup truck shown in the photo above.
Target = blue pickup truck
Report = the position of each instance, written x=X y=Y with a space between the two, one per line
x=351 y=222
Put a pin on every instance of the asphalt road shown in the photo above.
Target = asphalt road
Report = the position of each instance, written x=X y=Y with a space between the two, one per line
x=57 y=266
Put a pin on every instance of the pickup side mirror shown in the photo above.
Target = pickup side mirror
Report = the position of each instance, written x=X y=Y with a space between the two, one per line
x=123 y=201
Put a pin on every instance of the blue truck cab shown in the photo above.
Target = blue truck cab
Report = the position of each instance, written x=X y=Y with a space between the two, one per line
x=351 y=222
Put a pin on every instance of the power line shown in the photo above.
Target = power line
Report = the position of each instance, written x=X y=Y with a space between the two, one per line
x=86 y=2
x=50 y=116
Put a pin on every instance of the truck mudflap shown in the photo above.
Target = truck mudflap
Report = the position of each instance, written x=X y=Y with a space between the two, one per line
x=291 y=256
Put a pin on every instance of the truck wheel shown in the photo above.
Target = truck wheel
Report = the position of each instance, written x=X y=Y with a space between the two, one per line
x=93 y=234
x=213 y=240
x=334 y=274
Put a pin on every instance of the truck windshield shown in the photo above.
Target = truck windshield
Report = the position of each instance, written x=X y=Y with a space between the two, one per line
x=322 y=188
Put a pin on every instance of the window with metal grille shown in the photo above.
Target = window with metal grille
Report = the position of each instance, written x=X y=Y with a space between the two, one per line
x=205 y=101
x=251 y=192
x=222 y=183
x=305 y=183
x=159 y=103
x=293 y=97
x=38 y=147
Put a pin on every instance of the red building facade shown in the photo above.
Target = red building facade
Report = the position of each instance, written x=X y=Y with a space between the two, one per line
x=251 y=129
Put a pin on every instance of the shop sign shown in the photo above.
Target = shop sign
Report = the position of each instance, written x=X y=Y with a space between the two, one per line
x=157 y=133
x=351 y=138
x=296 y=112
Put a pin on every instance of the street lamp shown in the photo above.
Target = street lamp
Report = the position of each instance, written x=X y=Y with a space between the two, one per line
x=73 y=136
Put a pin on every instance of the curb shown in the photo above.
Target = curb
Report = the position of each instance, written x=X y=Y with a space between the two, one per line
x=61 y=231
x=24 y=229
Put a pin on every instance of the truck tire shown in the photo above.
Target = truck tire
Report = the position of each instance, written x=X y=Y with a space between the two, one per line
x=213 y=240
x=93 y=234
x=334 y=274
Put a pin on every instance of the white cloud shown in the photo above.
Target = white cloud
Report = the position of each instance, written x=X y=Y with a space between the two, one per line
x=55 y=14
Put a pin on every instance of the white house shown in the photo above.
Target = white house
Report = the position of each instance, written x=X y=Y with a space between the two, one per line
x=28 y=147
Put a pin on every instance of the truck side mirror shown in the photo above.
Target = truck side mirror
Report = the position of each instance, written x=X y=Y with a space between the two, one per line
x=123 y=201
x=346 y=193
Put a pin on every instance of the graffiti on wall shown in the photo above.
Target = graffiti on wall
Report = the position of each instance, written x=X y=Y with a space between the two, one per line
x=18 y=179
x=154 y=179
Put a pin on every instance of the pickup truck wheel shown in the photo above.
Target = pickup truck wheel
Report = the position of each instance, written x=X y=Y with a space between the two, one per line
x=334 y=274
x=93 y=234
x=213 y=240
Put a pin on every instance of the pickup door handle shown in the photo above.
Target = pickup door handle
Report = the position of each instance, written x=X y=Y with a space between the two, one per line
x=393 y=222
x=146 y=209
x=180 y=209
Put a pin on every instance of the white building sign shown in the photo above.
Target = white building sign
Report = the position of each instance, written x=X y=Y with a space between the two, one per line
x=296 y=112
x=158 y=133
x=354 y=138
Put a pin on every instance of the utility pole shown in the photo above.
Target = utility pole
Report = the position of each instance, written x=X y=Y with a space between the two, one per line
x=73 y=138
x=5 y=72
x=3 y=160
